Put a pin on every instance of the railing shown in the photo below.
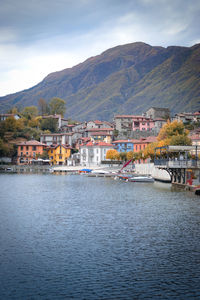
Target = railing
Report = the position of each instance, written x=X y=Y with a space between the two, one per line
x=177 y=163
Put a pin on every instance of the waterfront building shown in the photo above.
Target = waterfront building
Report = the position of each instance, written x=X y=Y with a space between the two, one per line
x=123 y=145
x=142 y=143
x=92 y=154
x=59 y=154
x=29 y=151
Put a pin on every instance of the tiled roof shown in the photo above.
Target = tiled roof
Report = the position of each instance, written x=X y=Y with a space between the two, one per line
x=149 y=139
x=195 y=137
x=100 y=129
x=100 y=133
x=31 y=143
x=123 y=141
x=99 y=144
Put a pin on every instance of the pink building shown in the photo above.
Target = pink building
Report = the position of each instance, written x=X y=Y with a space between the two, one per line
x=141 y=123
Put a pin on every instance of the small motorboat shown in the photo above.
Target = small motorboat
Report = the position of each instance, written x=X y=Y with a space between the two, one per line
x=141 y=179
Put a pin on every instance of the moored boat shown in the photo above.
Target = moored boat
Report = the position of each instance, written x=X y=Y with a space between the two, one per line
x=141 y=179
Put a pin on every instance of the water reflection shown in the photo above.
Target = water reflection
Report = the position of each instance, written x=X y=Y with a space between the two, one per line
x=74 y=237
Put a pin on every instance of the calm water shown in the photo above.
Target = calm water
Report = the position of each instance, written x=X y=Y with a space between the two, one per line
x=74 y=237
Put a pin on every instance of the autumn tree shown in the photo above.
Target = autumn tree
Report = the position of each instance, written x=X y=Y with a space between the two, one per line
x=111 y=154
x=174 y=133
x=57 y=106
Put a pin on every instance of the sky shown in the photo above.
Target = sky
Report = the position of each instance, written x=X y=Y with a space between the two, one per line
x=38 y=37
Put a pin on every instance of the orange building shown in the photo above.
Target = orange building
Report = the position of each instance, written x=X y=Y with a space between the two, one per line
x=141 y=144
x=27 y=151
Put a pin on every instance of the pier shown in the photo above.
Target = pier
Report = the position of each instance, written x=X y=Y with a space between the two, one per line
x=182 y=163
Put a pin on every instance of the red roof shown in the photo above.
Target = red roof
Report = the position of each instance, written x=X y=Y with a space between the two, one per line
x=99 y=144
x=195 y=137
x=149 y=139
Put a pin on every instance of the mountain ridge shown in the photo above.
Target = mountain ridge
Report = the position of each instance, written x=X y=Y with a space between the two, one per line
x=125 y=79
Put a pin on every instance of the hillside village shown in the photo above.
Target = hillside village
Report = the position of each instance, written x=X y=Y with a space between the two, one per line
x=95 y=142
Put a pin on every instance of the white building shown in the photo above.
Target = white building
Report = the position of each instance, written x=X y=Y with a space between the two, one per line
x=92 y=154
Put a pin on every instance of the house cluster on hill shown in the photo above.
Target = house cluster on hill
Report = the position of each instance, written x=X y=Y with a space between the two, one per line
x=87 y=143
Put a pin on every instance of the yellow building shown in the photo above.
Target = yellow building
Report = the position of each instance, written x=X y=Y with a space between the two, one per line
x=59 y=154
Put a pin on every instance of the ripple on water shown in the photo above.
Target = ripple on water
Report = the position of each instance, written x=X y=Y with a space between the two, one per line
x=74 y=237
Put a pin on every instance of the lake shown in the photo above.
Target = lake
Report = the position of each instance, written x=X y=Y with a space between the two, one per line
x=77 y=237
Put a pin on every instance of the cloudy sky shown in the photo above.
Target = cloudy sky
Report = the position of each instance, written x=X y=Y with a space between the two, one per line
x=38 y=37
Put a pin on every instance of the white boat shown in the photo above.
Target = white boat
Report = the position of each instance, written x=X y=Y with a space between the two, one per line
x=141 y=179
x=100 y=172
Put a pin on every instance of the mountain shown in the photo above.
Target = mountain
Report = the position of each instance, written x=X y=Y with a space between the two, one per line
x=126 y=79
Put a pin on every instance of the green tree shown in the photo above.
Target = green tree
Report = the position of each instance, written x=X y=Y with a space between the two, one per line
x=43 y=107
x=49 y=124
x=30 y=112
x=57 y=106
x=123 y=156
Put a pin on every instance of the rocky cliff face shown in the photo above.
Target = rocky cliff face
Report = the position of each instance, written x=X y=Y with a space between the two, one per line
x=126 y=79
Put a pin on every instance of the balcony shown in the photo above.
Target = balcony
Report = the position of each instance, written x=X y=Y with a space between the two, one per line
x=167 y=163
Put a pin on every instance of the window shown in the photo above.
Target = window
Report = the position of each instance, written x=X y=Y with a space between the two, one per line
x=21 y=153
x=33 y=154
x=136 y=147
x=21 y=147
x=60 y=157
x=51 y=151
x=140 y=147
x=26 y=147
x=34 y=148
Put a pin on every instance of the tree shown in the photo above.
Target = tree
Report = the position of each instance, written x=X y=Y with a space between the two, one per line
x=57 y=106
x=173 y=133
x=123 y=156
x=49 y=124
x=129 y=155
x=111 y=154
x=30 y=112
x=43 y=107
